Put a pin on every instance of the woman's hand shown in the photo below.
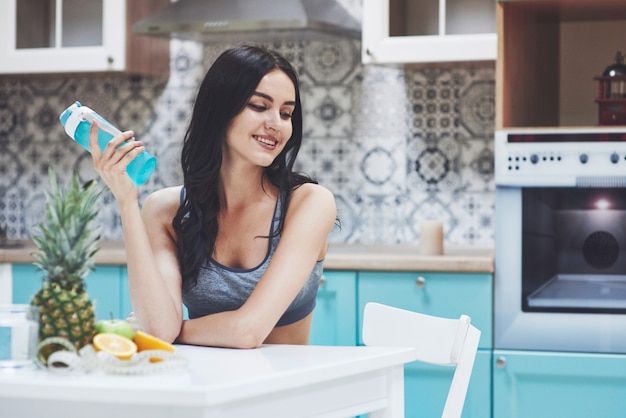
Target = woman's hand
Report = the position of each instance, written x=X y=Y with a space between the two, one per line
x=111 y=164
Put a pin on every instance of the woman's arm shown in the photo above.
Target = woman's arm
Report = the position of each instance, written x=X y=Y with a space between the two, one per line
x=309 y=220
x=153 y=274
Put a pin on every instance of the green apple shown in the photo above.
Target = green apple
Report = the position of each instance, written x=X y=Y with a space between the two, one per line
x=115 y=326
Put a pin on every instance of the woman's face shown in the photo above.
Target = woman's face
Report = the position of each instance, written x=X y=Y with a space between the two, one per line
x=260 y=132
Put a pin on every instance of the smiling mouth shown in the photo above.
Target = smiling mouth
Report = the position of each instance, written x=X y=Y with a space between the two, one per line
x=266 y=141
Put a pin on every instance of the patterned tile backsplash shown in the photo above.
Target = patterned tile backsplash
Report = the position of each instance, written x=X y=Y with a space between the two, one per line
x=396 y=145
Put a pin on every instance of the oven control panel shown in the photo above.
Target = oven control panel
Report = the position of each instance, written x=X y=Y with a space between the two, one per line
x=565 y=158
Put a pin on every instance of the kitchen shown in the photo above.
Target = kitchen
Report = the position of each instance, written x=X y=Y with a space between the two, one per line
x=397 y=145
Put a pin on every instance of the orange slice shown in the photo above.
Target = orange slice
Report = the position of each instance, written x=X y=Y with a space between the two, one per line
x=120 y=347
x=145 y=341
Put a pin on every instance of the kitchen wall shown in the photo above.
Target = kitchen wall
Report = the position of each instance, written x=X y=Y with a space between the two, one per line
x=395 y=145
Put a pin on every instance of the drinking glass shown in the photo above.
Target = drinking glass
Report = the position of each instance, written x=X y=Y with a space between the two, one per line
x=19 y=332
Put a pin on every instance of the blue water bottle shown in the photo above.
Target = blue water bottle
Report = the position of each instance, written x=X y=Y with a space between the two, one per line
x=77 y=119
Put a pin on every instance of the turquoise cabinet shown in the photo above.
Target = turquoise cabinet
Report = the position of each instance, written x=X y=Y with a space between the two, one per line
x=442 y=294
x=105 y=287
x=447 y=295
x=556 y=384
x=426 y=388
x=334 y=317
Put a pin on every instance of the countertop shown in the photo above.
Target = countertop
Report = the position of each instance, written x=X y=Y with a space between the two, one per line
x=339 y=257
x=271 y=381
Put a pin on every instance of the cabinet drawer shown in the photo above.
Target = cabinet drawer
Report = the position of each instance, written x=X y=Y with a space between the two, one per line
x=442 y=294
x=553 y=384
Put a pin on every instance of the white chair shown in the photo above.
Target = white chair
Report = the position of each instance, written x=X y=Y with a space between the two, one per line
x=441 y=341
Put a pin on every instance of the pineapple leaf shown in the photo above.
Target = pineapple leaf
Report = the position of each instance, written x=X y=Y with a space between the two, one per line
x=67 y=240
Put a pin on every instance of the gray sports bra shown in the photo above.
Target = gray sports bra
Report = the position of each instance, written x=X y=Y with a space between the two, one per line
x=221 y=288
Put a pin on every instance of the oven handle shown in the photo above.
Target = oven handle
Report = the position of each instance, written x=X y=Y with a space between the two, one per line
x=539 y=181
x=579 y=181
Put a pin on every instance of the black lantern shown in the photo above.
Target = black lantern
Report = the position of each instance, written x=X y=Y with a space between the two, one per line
x=612 y=93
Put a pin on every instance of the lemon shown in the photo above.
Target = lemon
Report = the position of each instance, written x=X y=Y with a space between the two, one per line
x=121 y=347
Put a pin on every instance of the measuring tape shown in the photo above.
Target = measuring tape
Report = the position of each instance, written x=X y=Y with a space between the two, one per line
x=87 y=360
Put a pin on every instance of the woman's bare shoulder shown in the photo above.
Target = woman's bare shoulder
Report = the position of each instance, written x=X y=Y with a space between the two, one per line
x=315 y=196
x=308 y=190
x=163 y=201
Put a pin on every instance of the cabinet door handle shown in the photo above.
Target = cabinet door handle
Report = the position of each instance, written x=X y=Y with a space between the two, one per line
x=501 y=362
x=420 y=282
x=322 y=281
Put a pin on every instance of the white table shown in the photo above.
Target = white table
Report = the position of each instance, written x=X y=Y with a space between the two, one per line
x=272 y=381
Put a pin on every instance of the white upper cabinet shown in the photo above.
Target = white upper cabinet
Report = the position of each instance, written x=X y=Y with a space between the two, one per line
x=421 y=31
x=60 y=36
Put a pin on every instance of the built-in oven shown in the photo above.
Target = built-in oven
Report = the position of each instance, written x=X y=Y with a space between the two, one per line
x=560 y=274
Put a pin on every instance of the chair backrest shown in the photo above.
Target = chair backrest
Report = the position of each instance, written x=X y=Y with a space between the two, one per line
x=442 y=341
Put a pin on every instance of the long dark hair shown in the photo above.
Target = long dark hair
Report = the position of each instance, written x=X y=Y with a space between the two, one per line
x=223 y=94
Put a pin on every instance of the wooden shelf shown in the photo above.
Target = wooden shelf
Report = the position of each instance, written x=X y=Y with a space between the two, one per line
x=544 y=76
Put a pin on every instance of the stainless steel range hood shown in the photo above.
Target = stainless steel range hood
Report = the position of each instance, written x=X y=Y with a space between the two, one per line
x=214 y=20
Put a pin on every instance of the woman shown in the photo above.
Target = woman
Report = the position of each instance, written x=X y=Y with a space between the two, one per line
x=241 y=242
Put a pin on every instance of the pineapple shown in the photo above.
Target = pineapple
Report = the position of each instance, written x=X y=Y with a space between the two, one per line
x=67 y=242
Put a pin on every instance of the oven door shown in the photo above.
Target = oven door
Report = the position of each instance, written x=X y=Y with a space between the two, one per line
x=560 y=268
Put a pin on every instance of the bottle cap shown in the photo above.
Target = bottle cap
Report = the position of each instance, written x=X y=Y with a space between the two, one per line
x=77 y=113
